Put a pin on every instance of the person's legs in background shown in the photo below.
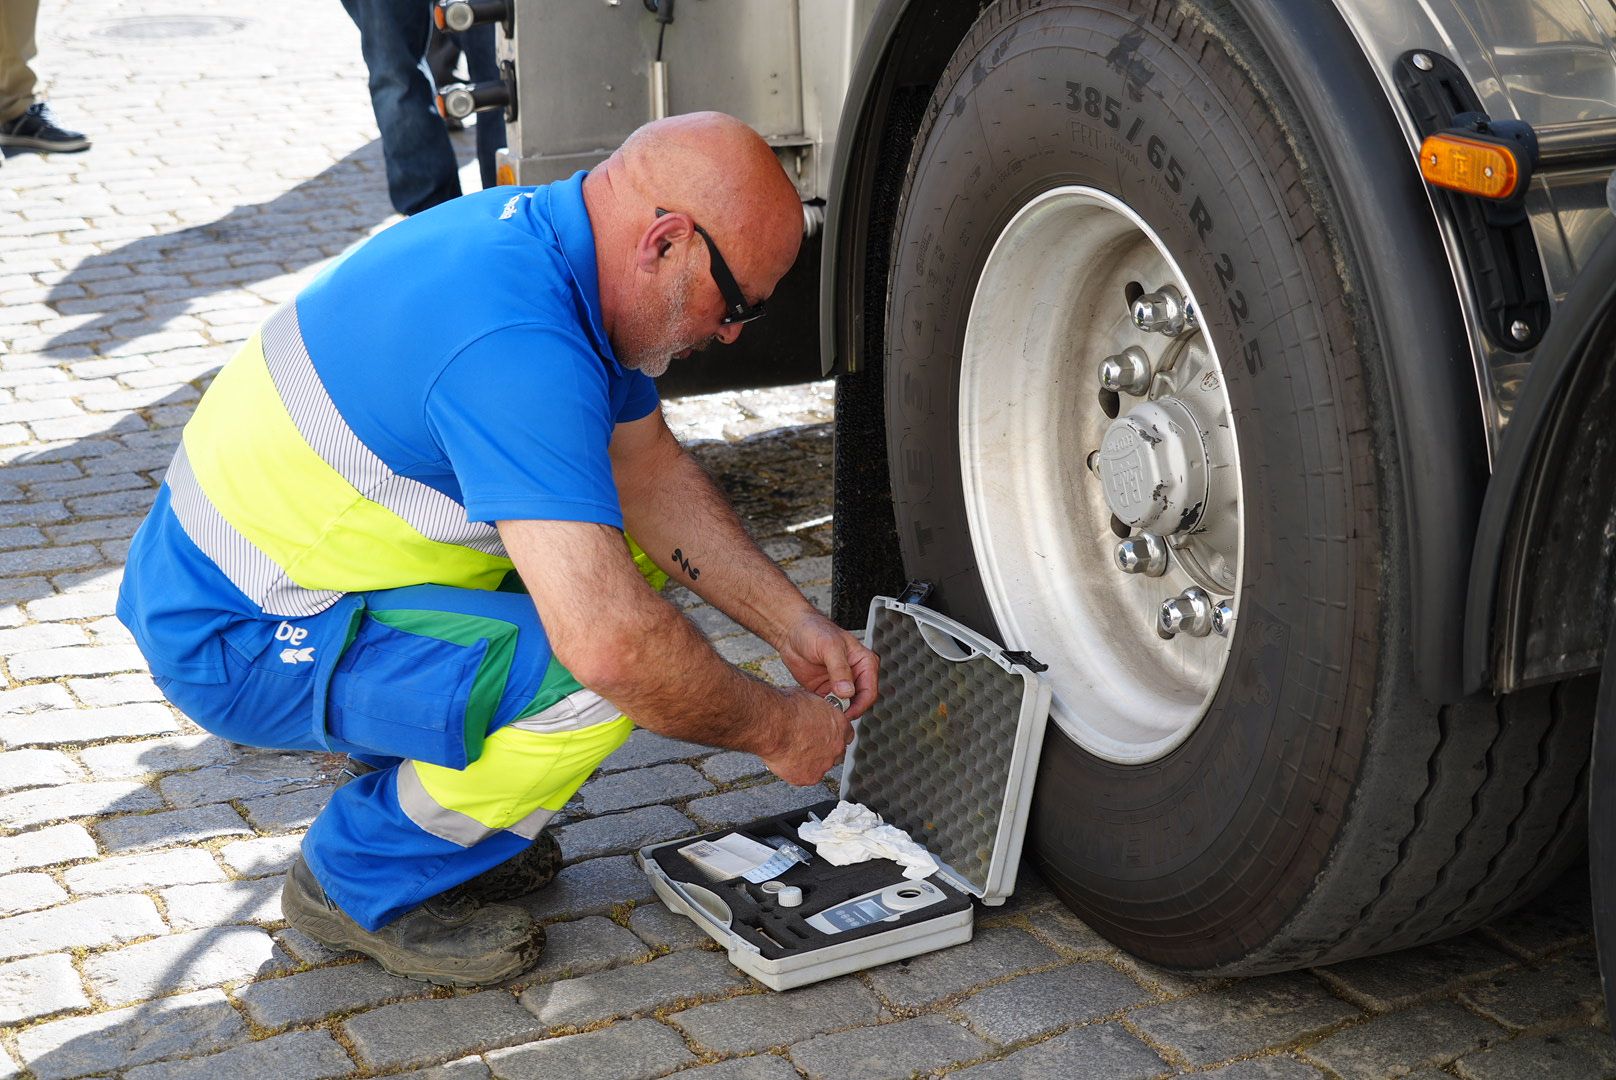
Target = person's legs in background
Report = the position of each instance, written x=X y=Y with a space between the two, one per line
x=421 y=166
x=26 y=124
x=16 y=49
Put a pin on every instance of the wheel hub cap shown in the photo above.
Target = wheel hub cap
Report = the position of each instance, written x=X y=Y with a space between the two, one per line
x=1153 y=465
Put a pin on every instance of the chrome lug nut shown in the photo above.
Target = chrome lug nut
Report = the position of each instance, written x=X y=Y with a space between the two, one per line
x=1190 y=612
x=1223 y=618
x=1144 y=554
x=1126 y=372
x=1164 y=311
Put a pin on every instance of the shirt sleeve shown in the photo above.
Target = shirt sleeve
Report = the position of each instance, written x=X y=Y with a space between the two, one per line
x=524 y=417
x=641 y=400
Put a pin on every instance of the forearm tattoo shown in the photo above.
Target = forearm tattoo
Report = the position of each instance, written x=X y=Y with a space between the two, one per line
x=684 y=564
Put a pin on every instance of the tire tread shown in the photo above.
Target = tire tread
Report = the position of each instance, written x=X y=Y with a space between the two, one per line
x=1523 y=824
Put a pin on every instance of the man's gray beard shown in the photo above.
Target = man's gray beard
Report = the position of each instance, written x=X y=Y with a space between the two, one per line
x=654 y=366
x=654 y=359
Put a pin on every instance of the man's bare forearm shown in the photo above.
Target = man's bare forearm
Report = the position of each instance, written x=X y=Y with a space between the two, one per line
x=683 y=522
x=677 y=514
x=668 y=678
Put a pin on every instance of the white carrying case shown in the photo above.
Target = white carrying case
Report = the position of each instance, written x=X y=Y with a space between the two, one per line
x=948 y=754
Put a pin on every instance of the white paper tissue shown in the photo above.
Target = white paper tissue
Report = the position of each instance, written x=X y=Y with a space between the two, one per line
x=854 y=833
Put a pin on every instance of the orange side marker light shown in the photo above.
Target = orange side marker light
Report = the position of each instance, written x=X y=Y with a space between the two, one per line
x=1469 y=165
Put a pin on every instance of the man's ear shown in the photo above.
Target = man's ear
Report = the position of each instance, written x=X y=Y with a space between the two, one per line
x=662 y=236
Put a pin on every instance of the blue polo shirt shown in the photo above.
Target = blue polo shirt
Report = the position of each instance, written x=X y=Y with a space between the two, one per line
x=464 y=347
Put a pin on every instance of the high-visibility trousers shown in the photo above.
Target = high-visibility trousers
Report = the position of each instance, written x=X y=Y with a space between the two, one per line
x=478 y=734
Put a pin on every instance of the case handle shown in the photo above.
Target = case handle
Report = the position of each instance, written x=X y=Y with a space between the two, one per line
x=708 y=904
x=945 y=644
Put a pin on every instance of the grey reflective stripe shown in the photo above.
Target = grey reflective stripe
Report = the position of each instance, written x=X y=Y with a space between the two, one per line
x=533 y=824
x=451 y=825
x=259 y=578
x=576 y=711
x=431 y=815
x=430 y=512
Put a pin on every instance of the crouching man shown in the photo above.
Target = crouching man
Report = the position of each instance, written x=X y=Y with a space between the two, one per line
x=395 y=528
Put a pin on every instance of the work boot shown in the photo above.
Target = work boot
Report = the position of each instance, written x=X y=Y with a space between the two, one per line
x=529 y=870
x=534 y=867
x=38 y=130
x=449 y=941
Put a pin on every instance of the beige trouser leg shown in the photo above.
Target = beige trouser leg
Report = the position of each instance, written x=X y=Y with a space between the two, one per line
x=17 y=19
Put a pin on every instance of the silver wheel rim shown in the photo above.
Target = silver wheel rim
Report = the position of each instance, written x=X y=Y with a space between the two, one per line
x=1049 y=307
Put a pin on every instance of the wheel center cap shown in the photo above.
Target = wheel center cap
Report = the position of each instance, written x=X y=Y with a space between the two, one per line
x=1153 y=465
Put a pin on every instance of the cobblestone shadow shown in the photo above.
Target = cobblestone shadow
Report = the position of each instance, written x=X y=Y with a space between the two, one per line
x=312 y=221
x=85 y=497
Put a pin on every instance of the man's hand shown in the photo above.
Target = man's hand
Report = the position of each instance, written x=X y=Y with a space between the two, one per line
x=817 y=737
x=826 y=659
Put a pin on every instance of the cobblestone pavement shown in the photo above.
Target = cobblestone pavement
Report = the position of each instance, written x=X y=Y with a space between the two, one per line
x=140 y=933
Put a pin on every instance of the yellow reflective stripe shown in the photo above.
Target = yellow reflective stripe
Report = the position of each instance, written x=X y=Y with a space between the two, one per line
x=533 y=824
x=256 y=469
x=246 y=457
x=519 y=773
x=440 y=821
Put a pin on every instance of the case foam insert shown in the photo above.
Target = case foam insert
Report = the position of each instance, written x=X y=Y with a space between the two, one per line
x=934 y=759
x=779 y=932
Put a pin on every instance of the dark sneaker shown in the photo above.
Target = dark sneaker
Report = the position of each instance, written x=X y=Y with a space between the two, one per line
x=448 y=941
x=527 y=871
x=37 y=129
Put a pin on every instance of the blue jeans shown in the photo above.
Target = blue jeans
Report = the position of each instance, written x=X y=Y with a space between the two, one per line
x=421 y=167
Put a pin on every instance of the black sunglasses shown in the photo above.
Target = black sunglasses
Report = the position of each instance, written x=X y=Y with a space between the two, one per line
x=735 y=305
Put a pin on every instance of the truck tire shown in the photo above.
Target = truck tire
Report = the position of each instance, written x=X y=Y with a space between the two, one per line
x=1602 y=827
x=1275 y=793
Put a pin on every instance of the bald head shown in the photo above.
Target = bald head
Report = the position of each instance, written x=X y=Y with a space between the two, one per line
x=708 y=170
x=720 y=172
